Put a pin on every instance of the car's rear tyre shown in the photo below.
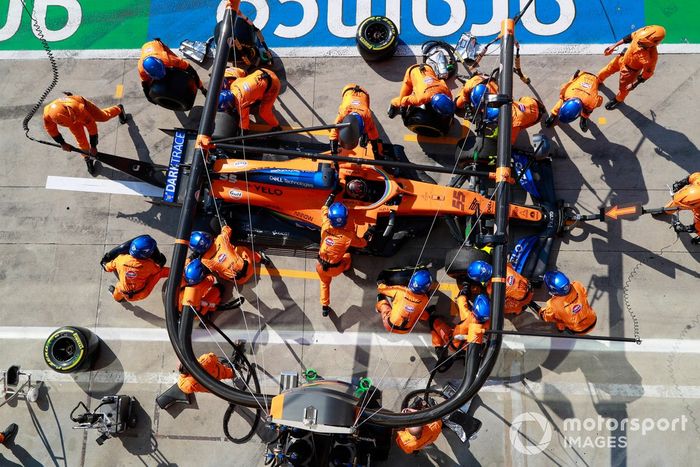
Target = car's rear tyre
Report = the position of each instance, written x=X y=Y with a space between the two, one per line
x=377 y=38
x=225 y=125
x=458 y=260
x=70 y=349
x=426 y=122
x=176 y=91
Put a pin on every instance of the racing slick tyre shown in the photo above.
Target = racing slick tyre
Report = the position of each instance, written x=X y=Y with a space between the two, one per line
x=460 y=259
x=377 y=38
x=225 y=125
x=176 y=91
x=397 y=276
x=426 y=122
x=70 y=349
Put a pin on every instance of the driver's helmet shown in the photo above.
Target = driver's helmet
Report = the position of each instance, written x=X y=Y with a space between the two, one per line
x=356 y=188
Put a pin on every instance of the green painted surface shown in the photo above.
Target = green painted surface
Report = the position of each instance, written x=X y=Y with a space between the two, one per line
x=680 y=18
x=105 y=24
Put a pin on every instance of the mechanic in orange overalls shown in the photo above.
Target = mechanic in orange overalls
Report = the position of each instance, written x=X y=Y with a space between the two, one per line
x=636 y=64
x=228 y=262
x=422 y=86
x=210 y=362
x=578 y=97
x=199 y=288
x=686 y=195
x=526 y=112
x=519 y=291
x=355 y=100
x=7 y=437
x=138 y=271
x=568 y=308
x=473 y=323
x=466 y=96
x=77 y=113
x=156 y=59
x=261 y=86
x=415 y=438
x=401 y=307
x=338 y=233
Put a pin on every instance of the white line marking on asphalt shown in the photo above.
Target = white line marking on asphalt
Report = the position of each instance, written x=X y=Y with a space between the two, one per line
x=101 y=185
x=354 y=339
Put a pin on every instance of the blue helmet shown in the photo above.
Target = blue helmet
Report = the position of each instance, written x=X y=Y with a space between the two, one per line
x=154 y=67
x=338 y=214
x=443 y=105
x=480 y=271
x=557 y=283
x=360 y=121
x=492 y=114
x=482 y=308
x=200 y=241
x=478 y=94
x=420 y=281
x=225 y=100
x=142 y=247
x=571 y=110
x=195 y=272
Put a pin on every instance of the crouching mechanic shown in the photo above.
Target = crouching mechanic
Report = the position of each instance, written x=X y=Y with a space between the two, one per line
x=77 y=114
x=355 y=101
x=526 y=112
x=686 y=196
x=338 y=233
x=227 y=261
x=212 y=365
x=139 y=265
x=199 y=289
x=415 y=438
x=259 y=87
x=568 y=308
x=401 y=307
x=578 y=97
x=473 y=323
x=471 y=95
x=421 y=86
x=155 y=63
x=519 y=291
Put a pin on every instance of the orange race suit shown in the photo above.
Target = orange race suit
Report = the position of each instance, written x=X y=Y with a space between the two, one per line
x=229 y=262
x=526 y=112
x=76 y=113
x=409 y=443
x=518 y=291
x=400 y=308
x=686 y=196
x=419 y=85
x=583 y=86
x=570 y=311
x=204 y=297
x=467 y=331
x=261 y=86
x=355 y=99
x=464 y=98
x=137 y=277
x=212 y=365
x=633 y=63
x=333 y=258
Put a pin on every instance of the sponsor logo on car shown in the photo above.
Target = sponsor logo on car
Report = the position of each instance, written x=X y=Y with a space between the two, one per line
x=235 y=194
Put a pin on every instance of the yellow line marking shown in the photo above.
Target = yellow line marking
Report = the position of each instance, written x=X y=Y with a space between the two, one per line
x=602 y=120
x=451 y=140
x=119 y=92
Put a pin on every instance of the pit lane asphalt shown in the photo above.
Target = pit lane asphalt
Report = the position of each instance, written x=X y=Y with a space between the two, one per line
x=51 y=242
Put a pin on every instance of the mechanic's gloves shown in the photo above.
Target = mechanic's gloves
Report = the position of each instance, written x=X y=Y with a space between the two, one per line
x=204 y=90
x=583 y=124
x=392 y=111
x=334 y=147
x=403 y=110
x=378 y=148
x=679 y=184
x=550 y=121
x=640 y=80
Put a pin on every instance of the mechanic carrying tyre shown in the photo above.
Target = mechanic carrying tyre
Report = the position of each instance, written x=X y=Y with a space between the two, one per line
x=401 y=306
x=260 y=87
x=377 y=38
x=138 y=264
x=167 y=80
x=355 y=102
x=421 y=87
x=70 y=349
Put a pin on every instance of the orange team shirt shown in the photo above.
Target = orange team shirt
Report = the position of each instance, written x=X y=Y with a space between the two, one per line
x=355 y=101
x=409 y=443
x=584 y=87
x=639 y=59
x=464 y=97
x=159 y=50
x=250 y=89
x=82 y=118
x=406 y=306
x=469 y=330
x=518 y=291
x=194 y=295
x=211 y=365
x=525 y=112
x=133 y=273
x=222 y=257
x=336 y=241
x=570 y=311
x=425 y=86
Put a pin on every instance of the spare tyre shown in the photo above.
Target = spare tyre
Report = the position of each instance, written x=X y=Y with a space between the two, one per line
x=459 y=259
x=426 y=122
x=176 y=91
x=397 y=276
x=70 y=349
x=377 y=38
